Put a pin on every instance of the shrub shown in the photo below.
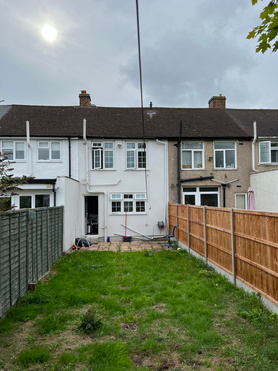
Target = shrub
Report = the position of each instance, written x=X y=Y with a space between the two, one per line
x=91 y=321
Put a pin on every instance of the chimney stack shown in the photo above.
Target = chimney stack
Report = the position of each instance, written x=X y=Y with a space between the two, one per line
x=217 y=102
x=84 y=99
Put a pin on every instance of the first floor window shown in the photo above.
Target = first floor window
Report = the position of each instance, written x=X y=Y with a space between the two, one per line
x=49 y=151
x=225 y=155
x=13 y=150
x=136 y=155
x=241 y=201
x=268 y=152
x=102 y=155
x=192 y=155
x=128 y=202
x=204 y=196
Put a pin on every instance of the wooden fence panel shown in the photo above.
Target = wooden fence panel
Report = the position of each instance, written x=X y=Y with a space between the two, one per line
x=182 y=224
x=218 y=226
x=196 y=229
x=243 y=243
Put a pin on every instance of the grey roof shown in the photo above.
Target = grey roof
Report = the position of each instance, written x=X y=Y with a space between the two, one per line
x=109 y=122
x=4 y=109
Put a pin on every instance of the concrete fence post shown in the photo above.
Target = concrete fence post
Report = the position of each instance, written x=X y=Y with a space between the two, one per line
x=188 y=230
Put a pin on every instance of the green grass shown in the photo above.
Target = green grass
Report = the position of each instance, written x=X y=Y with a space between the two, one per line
x=137 y=311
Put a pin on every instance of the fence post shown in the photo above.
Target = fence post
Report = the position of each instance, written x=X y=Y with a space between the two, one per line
x=233 y=247
x=177 y=221
x=48 y=241
x=205 y=235
x=188 y=231
x=10 y=259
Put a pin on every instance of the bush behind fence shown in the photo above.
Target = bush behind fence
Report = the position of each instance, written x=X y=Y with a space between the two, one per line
x=243 y=243
x=30 y=242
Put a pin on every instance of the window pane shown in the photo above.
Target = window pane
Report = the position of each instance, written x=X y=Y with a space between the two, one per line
x=230 y=159
x=128 y=206
x=116 y=207
x=240 y=201
x=264 y=151
x=55 y=151
x=208 y=189
x=130 y=159
x=189 y=199
x=140 y=206
x=198 y=159
x=25 y=202
x=19 y=150
x=128 y=195
x=209 y=199
x=186 y=160
x=97 y=158
x=116 y=196
x=189 y=189
x=7 y=149
x=108 y=159
x=43 y=154
x=140 y=196
x=108 y=145
x=224 y=145
x=219 y=159
x=141 y=160
x=42 y=201
x=274 y=155
x=130 y=145
x=191 y=145
x=141 y=145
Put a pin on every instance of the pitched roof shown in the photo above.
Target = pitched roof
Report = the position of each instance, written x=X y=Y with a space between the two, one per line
x=108 y=122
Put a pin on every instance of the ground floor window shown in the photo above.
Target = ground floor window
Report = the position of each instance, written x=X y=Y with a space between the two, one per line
x=34 y=201
x=128 y=203
x=204 y=196
x=241 y=201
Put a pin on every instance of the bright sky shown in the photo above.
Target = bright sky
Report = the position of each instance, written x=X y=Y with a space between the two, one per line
x=191 y=50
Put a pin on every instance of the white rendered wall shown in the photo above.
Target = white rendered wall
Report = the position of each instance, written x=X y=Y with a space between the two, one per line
x=265 y=189
x=121 y=180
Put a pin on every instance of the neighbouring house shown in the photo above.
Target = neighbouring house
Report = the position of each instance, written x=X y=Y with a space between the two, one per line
x=115 y=176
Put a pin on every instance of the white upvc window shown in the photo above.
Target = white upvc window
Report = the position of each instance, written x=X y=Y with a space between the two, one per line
x=225 y=155
x=49 y=151
x=13 y=150
x=31 y=201
x=131 y=203
x=268 y=152
x=102 y=155
x=204 y=196
x=136 y=155
x=241 y=201
x=192 y=155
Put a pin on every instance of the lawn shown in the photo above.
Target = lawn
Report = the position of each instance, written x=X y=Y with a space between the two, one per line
x=145 y=310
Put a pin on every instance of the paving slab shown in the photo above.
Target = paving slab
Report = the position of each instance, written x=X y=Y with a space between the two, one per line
x=127 y=246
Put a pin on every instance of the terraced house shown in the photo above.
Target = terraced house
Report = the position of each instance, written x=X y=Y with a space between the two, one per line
x=115 y=174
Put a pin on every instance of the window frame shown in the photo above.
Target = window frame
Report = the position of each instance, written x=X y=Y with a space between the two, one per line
x=128 y=203
x=268 y=144
x=224 y=150
x=50 y=151
x=14 y=150
x=138 y=154
x=98 y=155
x=245 y=200
x=199 y=192
x=192 y=151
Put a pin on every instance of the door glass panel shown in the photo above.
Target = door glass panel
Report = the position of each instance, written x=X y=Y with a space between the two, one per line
x=189 y=199
x=209 y=199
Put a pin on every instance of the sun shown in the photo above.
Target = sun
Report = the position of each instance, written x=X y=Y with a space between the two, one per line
x=49 y=33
